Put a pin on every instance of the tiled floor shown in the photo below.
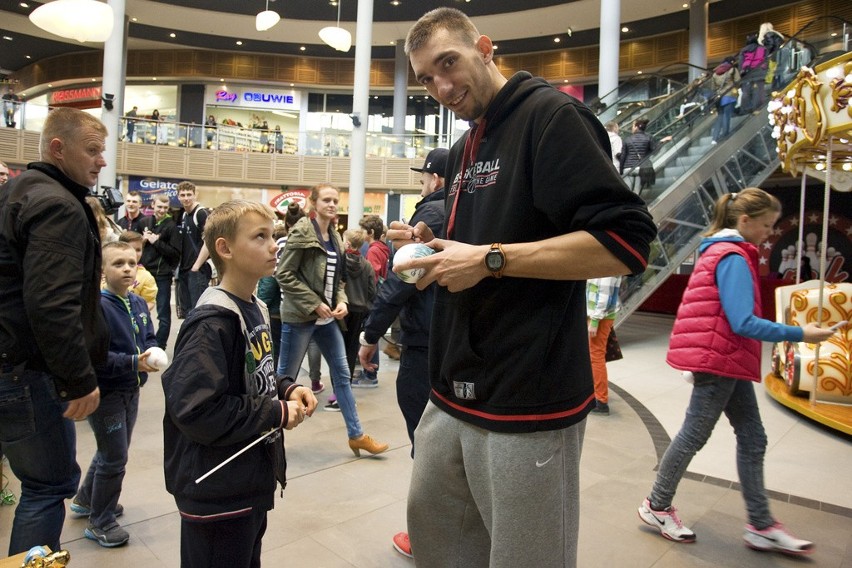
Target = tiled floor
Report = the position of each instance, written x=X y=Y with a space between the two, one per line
x=339 y=511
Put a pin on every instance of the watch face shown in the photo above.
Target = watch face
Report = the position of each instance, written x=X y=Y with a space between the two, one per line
x=494 y=260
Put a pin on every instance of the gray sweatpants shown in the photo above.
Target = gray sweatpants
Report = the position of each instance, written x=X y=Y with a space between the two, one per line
x=487 y=499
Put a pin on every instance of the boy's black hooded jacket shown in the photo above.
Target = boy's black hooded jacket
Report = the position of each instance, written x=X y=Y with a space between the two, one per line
x=211 y=413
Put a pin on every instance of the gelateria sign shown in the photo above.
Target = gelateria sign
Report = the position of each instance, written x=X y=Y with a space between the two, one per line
x=254 y=97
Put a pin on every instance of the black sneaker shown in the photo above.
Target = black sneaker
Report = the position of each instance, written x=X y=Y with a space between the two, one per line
x=332 y=406
x=109 y=537
x=84 y=510
x=601 y=408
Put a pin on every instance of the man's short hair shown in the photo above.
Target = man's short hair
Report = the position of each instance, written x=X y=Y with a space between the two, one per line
x=223 y=221
x=4 y=165
x=118 y=245
x=429 y=23
x=373 y=226
x=134 y=193
x=186 y=186
x=129 y=237
x=66 y=123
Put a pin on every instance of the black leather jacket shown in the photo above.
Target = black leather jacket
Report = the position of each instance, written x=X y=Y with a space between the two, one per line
x=50 y=276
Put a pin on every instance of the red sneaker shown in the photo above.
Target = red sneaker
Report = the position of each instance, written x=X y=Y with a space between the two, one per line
x=402 y=544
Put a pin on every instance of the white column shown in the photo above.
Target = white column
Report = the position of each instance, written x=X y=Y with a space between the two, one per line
x=609 y=44
x=400 y=98
x=698 y=28
x=113 y=83
x=360 y=110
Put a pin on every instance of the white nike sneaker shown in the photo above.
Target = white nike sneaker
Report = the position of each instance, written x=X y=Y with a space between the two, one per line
x=667 y=522
x=776 y=537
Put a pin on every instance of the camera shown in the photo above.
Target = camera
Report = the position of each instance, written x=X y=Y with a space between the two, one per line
x=110 y=199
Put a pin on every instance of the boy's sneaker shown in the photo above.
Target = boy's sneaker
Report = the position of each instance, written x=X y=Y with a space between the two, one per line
x=109 y=537
x=317 y=387
x=601 y=408
x=402 y=544
x=83 y=510
x=667 y=522
x=776 y=537
x=362 y=381
x=332 y=406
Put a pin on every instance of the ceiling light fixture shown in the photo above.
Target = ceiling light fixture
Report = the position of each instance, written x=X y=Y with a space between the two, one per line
x=335 y=36
x=266 y=19
x=83 y=20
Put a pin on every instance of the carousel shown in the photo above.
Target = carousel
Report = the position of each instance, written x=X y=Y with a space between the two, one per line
x=812 y=122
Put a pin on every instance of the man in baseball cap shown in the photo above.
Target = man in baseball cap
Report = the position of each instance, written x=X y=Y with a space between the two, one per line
x=436 y=162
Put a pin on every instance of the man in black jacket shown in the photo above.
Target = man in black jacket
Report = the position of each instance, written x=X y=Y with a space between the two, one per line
x=52 y=328
x=160 y=257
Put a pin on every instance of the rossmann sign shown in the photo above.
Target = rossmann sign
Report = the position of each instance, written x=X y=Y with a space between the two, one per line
x=253 y=97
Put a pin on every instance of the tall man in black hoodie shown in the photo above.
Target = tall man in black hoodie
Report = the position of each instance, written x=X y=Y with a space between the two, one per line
x=534 y=207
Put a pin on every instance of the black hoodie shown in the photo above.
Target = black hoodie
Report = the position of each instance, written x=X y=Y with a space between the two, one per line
x=512 y=354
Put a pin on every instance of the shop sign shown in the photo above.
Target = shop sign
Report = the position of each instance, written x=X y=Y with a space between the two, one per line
x=148 y=187
x=66 y=96
x=254 y=97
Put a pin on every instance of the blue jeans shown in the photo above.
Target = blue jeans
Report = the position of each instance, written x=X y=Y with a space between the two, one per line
x=112 y=424
x=711 y=396
x=294 y=343
x=41 y=446
x=722 y=126
x=164 y=309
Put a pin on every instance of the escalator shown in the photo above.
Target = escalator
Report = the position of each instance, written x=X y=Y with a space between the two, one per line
x=692 y=173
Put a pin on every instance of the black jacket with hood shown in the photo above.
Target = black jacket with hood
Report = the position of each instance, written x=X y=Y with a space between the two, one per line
x=213 y=411
x=512 y=354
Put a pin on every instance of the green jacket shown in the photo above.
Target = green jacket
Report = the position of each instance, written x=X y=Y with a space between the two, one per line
x=301 y=273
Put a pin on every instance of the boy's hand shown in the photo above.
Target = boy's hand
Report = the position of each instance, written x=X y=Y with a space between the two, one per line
x=295 y=414
x=142 y=363
x=306 y=398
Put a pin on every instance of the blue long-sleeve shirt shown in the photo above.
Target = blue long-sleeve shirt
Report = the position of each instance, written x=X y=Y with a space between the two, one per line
x=734 y=280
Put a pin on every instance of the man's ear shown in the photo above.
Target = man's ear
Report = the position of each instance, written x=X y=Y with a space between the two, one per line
x=223 y=248
x=486 y=48
x=55 y=147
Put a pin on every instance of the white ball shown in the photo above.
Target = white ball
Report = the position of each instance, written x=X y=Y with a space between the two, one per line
x=406 y=253
x=157 y=358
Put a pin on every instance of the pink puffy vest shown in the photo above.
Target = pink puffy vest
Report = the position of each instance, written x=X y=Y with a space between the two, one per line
x=702 y=339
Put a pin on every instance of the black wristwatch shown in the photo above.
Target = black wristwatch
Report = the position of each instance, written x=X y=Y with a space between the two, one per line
x=495 y=260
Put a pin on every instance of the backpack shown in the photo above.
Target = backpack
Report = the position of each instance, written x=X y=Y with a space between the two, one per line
x=753 y=59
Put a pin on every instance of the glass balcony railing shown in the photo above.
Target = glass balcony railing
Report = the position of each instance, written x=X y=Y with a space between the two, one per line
x=324 y=142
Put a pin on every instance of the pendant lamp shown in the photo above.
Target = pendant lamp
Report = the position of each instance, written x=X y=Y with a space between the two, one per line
x=83 y=20
x=335 y=36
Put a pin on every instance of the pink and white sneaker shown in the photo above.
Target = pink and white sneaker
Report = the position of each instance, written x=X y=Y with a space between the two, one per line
x=776 y=538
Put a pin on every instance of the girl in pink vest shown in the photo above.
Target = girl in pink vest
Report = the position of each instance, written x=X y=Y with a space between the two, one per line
x=716 y=337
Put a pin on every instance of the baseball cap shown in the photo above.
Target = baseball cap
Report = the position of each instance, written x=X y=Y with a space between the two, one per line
x=436 y=162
